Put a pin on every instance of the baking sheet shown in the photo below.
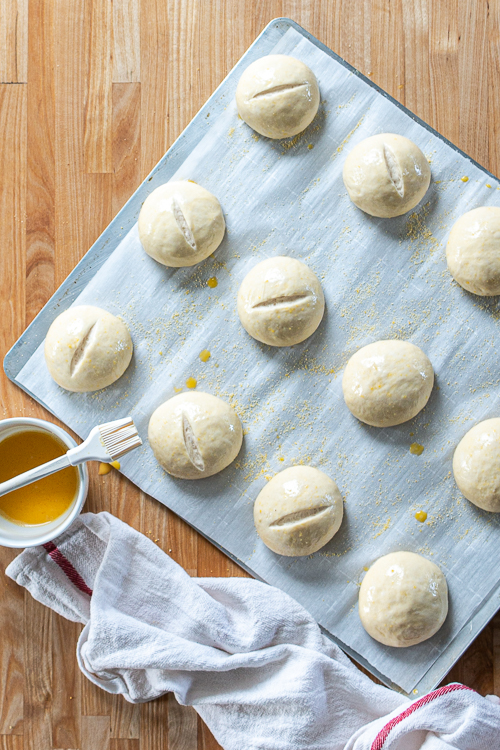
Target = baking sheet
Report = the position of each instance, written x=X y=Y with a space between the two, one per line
x=382 y=279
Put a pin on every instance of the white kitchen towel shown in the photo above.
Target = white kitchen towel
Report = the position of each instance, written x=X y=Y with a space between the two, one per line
x=250 y=659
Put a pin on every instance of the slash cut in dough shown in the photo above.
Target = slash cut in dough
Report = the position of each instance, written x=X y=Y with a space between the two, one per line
x=87 y=348
x=280 y=302
x=476 y=465
x=181 y=224
x=473 y=251
x=278 y=96
x=387 y=383
x=298 y=511
x=403 y=599
x=195 y=435
x=386 y=175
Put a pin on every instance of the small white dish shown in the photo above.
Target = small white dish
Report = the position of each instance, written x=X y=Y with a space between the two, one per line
x=15 y=535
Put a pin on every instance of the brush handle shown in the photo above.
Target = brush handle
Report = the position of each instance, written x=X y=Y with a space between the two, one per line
x=106 y=442
x=39 y=472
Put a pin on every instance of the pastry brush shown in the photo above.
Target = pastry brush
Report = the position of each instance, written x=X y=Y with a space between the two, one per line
x=106 y=443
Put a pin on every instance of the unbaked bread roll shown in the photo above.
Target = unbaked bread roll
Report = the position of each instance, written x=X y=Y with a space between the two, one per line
x=87 y=348
x=387 y=383
x=278 y=96
x=403 y=599
x=473 y=251
x=195 y=435
x=280 y=302
x=386 y=175
x=181 y=224
x=476 y=465
x=298 y=511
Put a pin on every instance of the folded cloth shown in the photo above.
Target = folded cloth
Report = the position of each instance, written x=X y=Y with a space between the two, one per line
x=250 y=659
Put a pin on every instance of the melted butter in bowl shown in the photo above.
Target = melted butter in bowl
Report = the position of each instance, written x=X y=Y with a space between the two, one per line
x=45 y=500
x=42 y=511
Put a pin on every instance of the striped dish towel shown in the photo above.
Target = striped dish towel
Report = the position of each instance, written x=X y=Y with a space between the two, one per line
x=250 y=659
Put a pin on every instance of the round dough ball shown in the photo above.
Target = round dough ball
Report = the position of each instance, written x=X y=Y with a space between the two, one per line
x=387 y=383
x=87 y=348
x=298 y=511
x=473 y=251
x=181 y=224
x=476 y=465
x=403 y=599
x=195 y=435
x=280 y=302
x=386 y=175
x=278 y=96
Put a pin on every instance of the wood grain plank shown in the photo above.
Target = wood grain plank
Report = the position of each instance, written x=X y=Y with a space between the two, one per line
x=11 y=742
x=71 y=40
x=12 y=651
x=95 y=701
x=256 y=17
x=12 y=270
x=182 y=30
x=126 y=142
x=313 y=18
x=97 y=208
x=154 y=522
x=212 y=562
x=116 y=494
x=443 y=68
x=98 y=110
x=158 y=100
x=182 y=543
x=95 y=733
x=121 y=744
x=388 y=47
x=416 y=83
x=352 y=34
x=154 y=725
x=198 y=29
x=182 y=726
x=125 y=719
x=12 y=236
x=126 y=41
x=206 y=740
x=37 y=727
x=66 y=684
x=13 y=41
x=473 y=81
x=493 y=67
x=40 y=228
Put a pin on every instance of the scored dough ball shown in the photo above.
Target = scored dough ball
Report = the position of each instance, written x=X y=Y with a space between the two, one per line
x=181 y=224
x=280 y=302
x=403 y=599
x=87 y=348
x=278 y=96
x=386 y=175
x=476 y=465
x=195 y=435
x=387 y=383
x=298 y=511
x=473 y=251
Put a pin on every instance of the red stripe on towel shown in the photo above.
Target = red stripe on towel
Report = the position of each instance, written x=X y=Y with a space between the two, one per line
x=381 y=737
x=67 y=567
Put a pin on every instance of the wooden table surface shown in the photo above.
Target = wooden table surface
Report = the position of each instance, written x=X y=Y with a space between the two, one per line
x=92 y=93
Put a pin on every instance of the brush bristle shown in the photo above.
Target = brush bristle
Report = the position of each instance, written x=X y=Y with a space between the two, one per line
x=120 y=437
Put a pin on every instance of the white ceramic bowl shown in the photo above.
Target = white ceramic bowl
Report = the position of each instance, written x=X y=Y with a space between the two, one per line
x=14 y=535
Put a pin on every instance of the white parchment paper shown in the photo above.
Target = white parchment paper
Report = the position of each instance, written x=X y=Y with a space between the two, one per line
x=382 y=279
